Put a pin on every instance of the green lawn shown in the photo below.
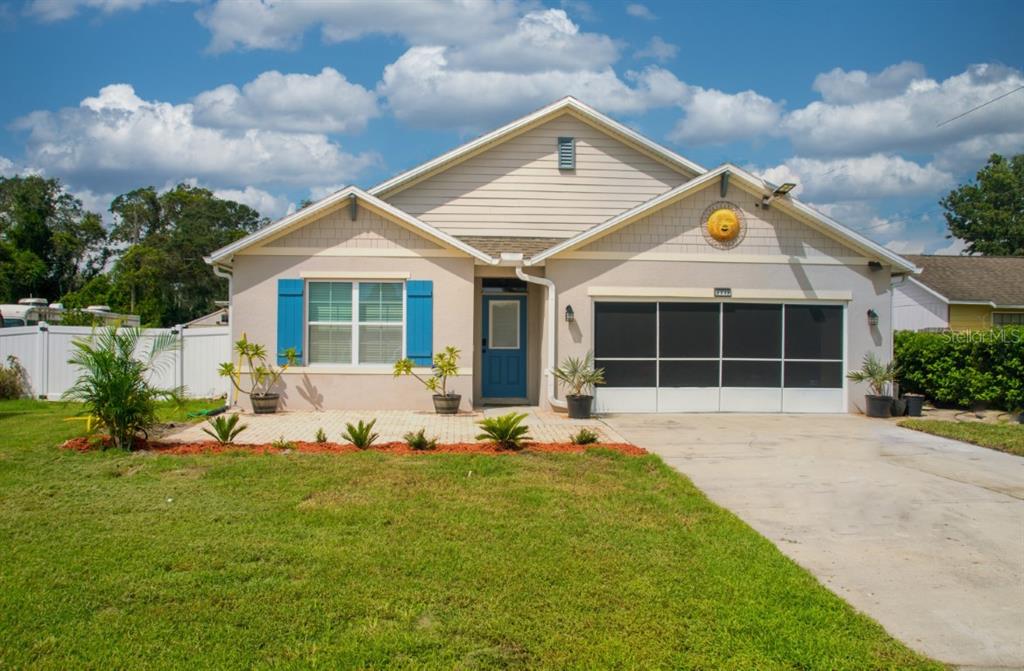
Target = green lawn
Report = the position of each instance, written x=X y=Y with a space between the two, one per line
x=371 y=560
x=1006 y=437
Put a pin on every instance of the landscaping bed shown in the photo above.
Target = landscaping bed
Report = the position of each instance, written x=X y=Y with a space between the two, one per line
x=82 y=444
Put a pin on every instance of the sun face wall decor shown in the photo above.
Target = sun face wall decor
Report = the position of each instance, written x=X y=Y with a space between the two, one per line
x=722 y=225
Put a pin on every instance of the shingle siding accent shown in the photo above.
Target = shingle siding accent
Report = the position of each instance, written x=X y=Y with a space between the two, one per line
x=516 y=188
x=368 y=231
x=676 y=229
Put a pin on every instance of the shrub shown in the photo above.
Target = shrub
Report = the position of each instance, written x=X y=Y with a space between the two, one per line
x=964 y=368
x=578 y=374
x=419 y=440
x=321 y=436
x=282 y=444
x=13 y=380
x=361 y=435
x=114 y=382
x=583 y=437
x=225 y=428
x=506 y=431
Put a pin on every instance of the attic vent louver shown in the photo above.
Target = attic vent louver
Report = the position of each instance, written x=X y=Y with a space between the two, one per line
x=566 y=153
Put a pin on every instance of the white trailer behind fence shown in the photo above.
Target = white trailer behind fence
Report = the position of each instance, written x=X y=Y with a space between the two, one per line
x=44 y=350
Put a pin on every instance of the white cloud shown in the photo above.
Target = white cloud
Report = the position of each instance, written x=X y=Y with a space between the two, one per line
x=713 y=116
x=910 y=120
x=95 y=202
x=323 y=103
x=863 y=217
x=7 y=168
x=117 y=139
x=955 y=247
x=635 y=9
x=58 y=10
x=868 y=177
x=906 y=246
x=423 y=88
x=843 y=87
x=274 y=24
x=262 y=201
x=659 y=50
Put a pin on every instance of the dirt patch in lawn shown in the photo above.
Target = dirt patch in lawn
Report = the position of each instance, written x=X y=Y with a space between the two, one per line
x=212 y=447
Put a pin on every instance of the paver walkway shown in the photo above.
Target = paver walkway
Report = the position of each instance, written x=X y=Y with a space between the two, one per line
x=922 y=533
x=392 y=425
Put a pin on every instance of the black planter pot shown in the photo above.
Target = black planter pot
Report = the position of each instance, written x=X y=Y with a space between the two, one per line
x=878 y=406
x=899 y=407
x=264 y=404
x=579 y=406
x=915 y=402
x=447 y=405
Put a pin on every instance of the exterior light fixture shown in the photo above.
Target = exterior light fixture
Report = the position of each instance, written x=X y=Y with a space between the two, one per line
x=872 y=317
x=875 y=265
x=782 y=190
x=570 y=316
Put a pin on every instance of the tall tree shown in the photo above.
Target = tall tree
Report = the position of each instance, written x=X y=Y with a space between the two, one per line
x=49 y=243
x=988 y=213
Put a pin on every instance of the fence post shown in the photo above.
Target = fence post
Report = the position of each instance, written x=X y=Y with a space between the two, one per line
x=179 y=370
x=43 y=344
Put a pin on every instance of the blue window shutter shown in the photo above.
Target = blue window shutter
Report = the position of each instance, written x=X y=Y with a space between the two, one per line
x=289 y=317
x=566 y=153
x=419 y=324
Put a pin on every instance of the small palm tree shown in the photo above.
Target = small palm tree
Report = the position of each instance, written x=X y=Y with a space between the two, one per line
x=114 y=383
x=506 y=431
x=224 y=429
x=878 y=375
x=579 y=375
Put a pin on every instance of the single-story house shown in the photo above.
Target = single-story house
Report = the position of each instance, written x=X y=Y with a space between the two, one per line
x=960 y=293
x=562 y=233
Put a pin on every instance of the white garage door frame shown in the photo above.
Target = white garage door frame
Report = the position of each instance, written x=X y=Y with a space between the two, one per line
x=780 y=399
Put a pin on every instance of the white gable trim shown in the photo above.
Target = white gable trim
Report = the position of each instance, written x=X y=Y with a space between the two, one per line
x=933 y=292
x=223 y=255
x=829 y=225
x=570 y=104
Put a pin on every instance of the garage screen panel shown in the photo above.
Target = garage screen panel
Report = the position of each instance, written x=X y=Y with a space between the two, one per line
x=625 y=343
x=813 y=366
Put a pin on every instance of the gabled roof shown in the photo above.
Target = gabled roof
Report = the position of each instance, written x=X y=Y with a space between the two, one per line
x=223 y=255
x=495 y=245
x=993 y=280
x=565 y=105
x=829 y=225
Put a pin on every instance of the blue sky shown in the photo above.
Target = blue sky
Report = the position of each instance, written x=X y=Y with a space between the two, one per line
x=270 y=103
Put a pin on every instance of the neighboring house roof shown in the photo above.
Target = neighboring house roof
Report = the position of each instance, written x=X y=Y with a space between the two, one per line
x=565 y=105
x=856 y=240
x=496 y=244
x=223 y=255
x=993 y=280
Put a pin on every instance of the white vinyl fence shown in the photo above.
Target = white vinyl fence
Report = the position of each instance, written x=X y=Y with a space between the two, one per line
x=44 y=351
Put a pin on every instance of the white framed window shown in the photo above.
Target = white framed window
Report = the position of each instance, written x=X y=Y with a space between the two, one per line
x=503 y=324
x=355 y=322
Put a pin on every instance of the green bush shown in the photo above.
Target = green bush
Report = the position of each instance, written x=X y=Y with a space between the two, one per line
x=964 y=368
x=584 y=437
x=282 y=443
x=321 y=435
x=506 y=431
x=419 y=440
x=114 y=380
x=13 y=382
x=361 y=435
x=224 y=428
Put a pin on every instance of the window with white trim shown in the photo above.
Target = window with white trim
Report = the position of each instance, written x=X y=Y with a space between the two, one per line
x=356 y=323
x=1008 y=318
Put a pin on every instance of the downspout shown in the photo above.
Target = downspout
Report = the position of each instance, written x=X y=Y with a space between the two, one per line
x=552 y=319
x=220 y=271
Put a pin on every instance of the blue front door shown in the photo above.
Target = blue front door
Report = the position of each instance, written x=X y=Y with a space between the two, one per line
x=504 y=347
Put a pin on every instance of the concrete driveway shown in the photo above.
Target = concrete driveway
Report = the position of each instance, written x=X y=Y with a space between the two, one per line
x=924 y=534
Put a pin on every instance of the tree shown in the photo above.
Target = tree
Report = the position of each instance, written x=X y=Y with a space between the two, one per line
x=988 y=213
x=49 y=243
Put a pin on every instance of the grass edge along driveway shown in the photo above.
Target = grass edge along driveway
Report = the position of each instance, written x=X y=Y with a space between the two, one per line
x=374 y=561
x=1005 y=436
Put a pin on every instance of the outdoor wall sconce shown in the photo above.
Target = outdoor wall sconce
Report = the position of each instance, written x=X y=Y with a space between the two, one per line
x=570 y=316
x=872 y=318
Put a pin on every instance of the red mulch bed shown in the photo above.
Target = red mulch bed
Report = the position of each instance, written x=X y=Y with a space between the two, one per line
x=212 y=447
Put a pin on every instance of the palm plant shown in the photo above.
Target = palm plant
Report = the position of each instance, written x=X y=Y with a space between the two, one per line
x=579 y=375
x=225 y=428
x=584 y=437
x=445 y=365
x=506 y=431
x=418 y=440
x=878 y=375
x=114 y=383
x=361 y=435
x=263 y=375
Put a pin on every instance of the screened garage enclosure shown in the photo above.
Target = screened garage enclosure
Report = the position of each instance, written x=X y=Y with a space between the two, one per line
x=720 y=356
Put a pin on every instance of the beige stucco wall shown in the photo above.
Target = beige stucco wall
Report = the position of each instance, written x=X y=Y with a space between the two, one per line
x=516 y=188
x=254 y=312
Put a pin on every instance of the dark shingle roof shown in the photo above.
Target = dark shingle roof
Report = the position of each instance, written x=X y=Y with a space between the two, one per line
x=999 y=279
x=496 y=244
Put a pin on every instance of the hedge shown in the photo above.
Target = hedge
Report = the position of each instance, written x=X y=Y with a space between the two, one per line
x=964 y=368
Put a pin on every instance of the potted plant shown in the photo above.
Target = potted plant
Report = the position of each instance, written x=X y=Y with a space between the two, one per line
x=879 y=377
x=263 y=375
x=445 y=364
x=579 y=376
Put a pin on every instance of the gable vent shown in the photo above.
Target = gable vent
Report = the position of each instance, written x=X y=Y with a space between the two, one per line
x=566 y=153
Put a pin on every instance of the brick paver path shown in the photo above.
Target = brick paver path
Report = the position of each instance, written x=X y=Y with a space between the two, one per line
x=547 y=427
